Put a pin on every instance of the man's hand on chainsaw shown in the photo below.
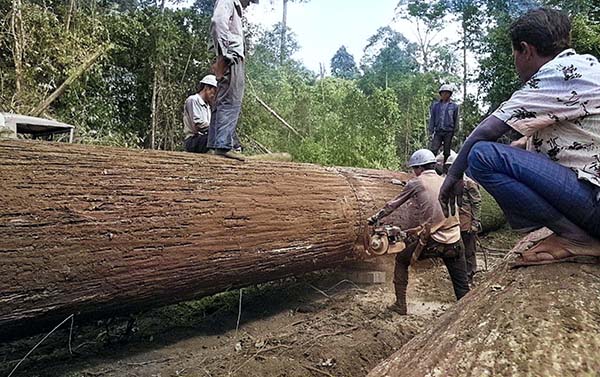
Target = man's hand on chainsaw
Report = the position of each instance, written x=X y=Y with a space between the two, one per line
x=451 y=194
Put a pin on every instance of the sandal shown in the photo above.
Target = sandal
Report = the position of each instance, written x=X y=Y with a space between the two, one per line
x=554 y=249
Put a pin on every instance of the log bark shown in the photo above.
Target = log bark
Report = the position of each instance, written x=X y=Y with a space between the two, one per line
x=535 y=321
x=98 y=231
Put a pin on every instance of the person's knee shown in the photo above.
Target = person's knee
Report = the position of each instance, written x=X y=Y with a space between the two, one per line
x=478 y=158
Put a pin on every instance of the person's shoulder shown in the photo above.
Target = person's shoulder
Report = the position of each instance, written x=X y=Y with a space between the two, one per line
x=412 y=183
x=569 y=65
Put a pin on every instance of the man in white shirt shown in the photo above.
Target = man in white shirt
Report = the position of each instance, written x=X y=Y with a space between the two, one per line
x=556 y=182
x=196 y=115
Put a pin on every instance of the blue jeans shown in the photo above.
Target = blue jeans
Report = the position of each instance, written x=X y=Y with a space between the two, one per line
x=532 y=190
x=228 y=105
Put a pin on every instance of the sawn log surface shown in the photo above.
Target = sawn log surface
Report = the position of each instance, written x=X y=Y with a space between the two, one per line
x=534 y=321
x=95 y=231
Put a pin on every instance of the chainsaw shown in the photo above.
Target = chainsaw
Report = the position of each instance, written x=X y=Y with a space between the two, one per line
x=384 y=239
x=390 y=239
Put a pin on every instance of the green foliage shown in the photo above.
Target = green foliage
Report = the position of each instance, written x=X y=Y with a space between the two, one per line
x=375 y=117
x=343 y=65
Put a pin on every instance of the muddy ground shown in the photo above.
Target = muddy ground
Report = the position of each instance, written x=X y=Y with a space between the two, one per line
x=321 y=324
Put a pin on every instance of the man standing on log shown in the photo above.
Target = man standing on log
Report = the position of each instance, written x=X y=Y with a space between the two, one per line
x=196 y=115
x=228 y=43
x=556 y=182
x=443 y=122
x=444 y=241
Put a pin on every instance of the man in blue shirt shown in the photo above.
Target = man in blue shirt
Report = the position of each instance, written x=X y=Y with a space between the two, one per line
x=443 y=122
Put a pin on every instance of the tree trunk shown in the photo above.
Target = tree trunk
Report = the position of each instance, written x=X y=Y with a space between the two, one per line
x=74 y=76
x=99 y=231
x=70 y=15
x=465 y=67
x=535 y=321
x=16 y=28
x=283 y=32
x=154 y=109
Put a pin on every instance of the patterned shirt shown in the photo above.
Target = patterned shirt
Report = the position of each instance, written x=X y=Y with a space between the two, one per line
x=471 y=209
x=559 y=108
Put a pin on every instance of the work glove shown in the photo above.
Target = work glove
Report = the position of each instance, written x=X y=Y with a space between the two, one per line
x=451 y=194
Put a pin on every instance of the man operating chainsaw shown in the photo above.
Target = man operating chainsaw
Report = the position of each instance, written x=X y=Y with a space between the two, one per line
x=437 y=236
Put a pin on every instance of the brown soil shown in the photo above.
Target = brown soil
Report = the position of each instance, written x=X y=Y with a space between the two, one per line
x=317 y=325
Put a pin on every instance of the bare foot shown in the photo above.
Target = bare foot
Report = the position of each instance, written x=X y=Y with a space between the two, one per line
x=554 y=249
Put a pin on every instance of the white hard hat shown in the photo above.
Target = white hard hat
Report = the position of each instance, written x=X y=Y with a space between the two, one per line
x=450 y=160
x=209 y=80
x=446 y=88
x=421 y=157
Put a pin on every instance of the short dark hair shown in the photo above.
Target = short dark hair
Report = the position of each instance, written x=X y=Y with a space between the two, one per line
x=548 y=30
x=200 y=86
x=430 y=166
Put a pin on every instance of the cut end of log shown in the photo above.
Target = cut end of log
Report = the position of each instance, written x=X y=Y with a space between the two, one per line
x=541 y=321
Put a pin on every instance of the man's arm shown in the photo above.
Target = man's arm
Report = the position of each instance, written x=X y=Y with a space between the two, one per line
x=491 y=129
x=200 y=116
x=393 y=204
x=431 y=125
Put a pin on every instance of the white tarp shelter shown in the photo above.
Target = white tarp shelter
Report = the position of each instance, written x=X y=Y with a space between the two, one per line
x=35 y=127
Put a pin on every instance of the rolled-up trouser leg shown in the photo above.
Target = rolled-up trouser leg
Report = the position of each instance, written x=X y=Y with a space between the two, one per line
x=228 y=105
x=470 y=245
x=457 y=269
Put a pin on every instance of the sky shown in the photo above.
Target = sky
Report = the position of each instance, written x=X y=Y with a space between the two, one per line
x=322 y=26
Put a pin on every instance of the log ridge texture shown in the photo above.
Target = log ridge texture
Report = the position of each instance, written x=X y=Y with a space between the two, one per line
x=99 y=231
x=534 y=321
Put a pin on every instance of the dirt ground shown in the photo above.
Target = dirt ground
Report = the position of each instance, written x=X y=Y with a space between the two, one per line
x=321 y=324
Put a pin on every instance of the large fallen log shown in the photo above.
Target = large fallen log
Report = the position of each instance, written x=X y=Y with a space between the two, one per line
x=98 y=231
x=535 y=321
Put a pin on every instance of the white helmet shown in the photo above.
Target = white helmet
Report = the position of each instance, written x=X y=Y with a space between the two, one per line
x=421 y=157
x=451 y=158
x=449 y=161
x=446 y=88
x=209 y=80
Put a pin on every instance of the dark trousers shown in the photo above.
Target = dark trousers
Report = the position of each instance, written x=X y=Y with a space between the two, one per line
x=532 y=190
x=439 y=138
x=469 y=241
x=453 y=257
x=196 y=143
x=228 y=105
